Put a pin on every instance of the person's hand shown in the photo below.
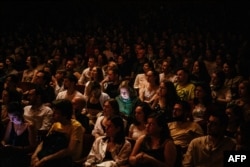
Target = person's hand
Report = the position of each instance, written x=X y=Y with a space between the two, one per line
x=140 y=157
x=40 y=163
x=34 y=161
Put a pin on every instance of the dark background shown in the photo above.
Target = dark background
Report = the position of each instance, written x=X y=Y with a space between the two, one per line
x=231 y=15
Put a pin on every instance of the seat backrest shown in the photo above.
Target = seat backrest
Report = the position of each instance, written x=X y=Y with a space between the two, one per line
x=88 y=140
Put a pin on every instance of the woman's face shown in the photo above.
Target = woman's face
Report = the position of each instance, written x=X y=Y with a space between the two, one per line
x=120 y=60
x=241 y=89
x=226 y=68
x=107 y=109
x=15 y=119
x=146 y=67
x=152 y=127
x=139 y=114
x=196 y=67
x=93 y=72
x=111 y=130
x=124 y=93
x=163 y=89
x=150 y=77
x=28 y=61
x=5 y=97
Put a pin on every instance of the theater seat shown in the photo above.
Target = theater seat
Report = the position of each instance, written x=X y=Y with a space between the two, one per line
x=88 y=140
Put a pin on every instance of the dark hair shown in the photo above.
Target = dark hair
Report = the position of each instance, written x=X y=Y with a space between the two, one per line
x=161 y=122
x=14 y=95
x=10 y=59
x=186 y=71
x=186 y=110
x=13 y=78
x=221 y=77
x=150 y=64
x=171 y=95
x=94 y=85
x=118 y=122
x=245 y=135
x=39 y=92
x=232 y=68
x=71 y=77
x=156 y=75
x=33 y=61
x=46 y=77
x=99 y=73
x=64 y=106
x=203 y=75
x=237 y=111
x=146 y=109
x=114 y=105
x=15 y=108
x=221 y=115
x=207 y=99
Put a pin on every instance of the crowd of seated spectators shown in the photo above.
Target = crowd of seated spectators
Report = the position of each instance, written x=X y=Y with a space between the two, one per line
x=148 y=92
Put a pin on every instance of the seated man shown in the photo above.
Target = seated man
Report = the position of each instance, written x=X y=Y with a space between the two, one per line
x=208 y=150
x=37 y=112
x=60 y=149
x=183 y=130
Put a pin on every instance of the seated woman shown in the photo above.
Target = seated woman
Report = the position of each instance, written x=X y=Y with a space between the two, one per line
x=202 y=104
x=64 y=140
x=110 y=108
x=235 y=118
x=19 y=139
x=138 y=126
x=30 y=72
x=95 y=101
x=243 y=137
x=165 y=99
x=156 y=148
x=127 y=99
x=112 y=149
x=7 y=97
x=150 y=90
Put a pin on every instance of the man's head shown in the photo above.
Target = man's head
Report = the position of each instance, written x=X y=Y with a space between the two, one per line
x=182 y=75
x=70 y=65
x=181 y=110
x=63 y=109
x=42 y=78
x=217 y=123
x=35 y=95
x=91 y=62
x=69 y=81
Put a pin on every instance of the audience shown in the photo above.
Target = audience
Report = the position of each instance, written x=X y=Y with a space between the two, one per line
x=78 y=43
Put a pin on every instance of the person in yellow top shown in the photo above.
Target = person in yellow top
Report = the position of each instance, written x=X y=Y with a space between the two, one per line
x=184 y=88
x=68 y=141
